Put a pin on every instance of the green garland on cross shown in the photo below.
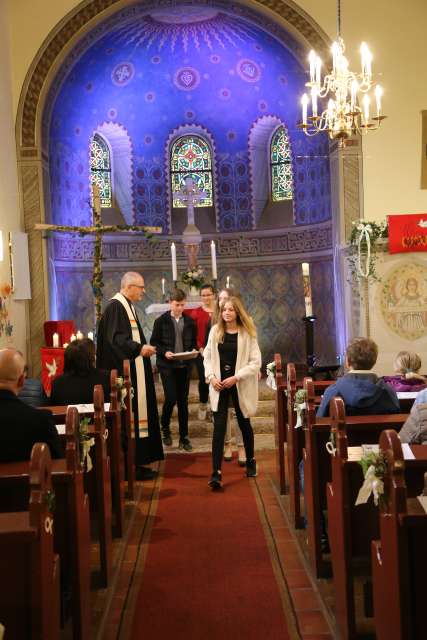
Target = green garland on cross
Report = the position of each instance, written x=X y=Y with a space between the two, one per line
x=99 y=230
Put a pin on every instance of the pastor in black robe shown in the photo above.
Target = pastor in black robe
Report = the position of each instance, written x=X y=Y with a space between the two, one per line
x=115 y=344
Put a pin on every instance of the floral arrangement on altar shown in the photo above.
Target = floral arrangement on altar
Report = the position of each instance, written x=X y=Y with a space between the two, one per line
x=194 y=277
x=271 y=375
x=364 y=247
x=374 y=467
x=6 y=326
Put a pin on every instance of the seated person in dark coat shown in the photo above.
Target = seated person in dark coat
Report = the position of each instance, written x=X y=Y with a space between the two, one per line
x=75 y=385
x=362 y=391
x=21 y=426
x=32 y=392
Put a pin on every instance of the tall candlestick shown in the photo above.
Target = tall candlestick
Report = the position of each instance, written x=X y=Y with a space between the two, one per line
x=213 y=258
x=90 y=335
x=163 y=286
x=227 y=282
x=174 y=268
x=55 y=341
x=307 y=289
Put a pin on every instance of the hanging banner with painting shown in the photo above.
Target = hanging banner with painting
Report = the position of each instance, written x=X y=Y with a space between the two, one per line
x=407 y=233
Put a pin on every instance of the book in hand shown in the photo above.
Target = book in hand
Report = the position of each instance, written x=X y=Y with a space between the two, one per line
x=185 y=355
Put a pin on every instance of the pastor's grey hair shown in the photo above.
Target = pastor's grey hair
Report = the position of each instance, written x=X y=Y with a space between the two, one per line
x=129 y=278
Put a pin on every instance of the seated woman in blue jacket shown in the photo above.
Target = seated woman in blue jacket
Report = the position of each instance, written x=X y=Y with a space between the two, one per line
x=362 y=391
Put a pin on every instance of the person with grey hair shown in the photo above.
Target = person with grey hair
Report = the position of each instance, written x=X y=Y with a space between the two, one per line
x=120 y=337
x=21 y=425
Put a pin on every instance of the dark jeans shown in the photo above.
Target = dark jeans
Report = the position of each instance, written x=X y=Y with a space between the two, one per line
x=220 y=425
x=176 y=383
x=203 y=387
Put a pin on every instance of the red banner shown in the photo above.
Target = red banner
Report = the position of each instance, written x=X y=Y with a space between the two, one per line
x=407 y=233
x=52 y=366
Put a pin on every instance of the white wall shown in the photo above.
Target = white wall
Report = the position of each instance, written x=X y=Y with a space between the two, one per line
x=9 y=203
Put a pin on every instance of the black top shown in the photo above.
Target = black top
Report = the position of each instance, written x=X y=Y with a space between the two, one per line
x=163 y=338
x=228 y=355
x=72 y=389
x=21 y=426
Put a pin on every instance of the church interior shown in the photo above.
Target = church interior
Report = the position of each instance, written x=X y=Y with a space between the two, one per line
x=107 y=109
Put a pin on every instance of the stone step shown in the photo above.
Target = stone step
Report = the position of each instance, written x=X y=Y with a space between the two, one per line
x=199 y=429
x=265 y=409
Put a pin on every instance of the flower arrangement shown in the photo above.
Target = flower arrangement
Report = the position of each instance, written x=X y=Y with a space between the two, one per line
x=374 y=467
x=299 y=405
x=194 y=277
x=271 y=375
x=123 y=392
x=364 y=246
x=86 y=442
x=5 y=325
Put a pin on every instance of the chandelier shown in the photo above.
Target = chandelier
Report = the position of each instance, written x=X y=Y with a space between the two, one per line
x=349 y=109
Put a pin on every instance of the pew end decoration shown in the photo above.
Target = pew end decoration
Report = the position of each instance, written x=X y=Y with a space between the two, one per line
x=374 y=468
x=366 y=238
x=271 y=375
x=86 y=442
x=300 y=405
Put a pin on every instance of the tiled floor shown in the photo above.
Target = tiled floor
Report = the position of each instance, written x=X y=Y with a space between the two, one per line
x=310 y=617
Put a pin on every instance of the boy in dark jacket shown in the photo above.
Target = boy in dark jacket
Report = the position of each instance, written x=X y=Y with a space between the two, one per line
x=362 y=391
x=174 y=333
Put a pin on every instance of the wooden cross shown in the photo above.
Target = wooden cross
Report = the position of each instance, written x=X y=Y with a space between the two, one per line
x=190 y=195
x=98 y=230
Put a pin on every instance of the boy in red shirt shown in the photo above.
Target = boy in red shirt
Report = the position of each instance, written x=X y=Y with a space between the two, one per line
x=202 y=317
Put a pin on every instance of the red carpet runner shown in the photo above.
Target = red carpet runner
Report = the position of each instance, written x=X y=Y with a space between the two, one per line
x=208 y=573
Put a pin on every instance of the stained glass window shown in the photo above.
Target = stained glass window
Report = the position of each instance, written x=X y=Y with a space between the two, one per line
x=191 y=158
x=281 y=166
x=100 y=169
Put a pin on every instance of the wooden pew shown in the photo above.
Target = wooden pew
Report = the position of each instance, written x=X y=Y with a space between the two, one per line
x=29 y=589
x=71 y=530
x=351 y=527
x=317 y=466
x=399 y=558
x=129 y=431
x=115 y=452
x=280 y=423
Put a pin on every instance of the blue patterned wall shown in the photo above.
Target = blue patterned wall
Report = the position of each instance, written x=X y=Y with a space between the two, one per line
x=157 y=70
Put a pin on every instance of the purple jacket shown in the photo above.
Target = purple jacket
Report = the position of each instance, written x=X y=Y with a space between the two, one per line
x=400 y=383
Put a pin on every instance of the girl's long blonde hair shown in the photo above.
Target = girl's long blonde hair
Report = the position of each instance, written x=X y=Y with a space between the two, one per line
x=242 y=318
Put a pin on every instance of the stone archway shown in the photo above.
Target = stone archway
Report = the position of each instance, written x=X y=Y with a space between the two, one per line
x=32 y=150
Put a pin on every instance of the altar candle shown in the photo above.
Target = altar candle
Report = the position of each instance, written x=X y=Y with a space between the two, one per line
x=163 y=286
x=72 y=337
x=213 y=258
x=307 y=289
x=174 y=268
x=79 y=335
x=227 y=283
x=90 y=335
x=55 y=341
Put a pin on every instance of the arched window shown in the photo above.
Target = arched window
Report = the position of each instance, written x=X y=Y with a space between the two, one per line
x=281 y=166
x=100 y=169
x=191 y=158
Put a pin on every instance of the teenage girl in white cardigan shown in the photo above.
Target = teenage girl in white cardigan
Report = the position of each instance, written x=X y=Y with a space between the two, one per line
x=232 y=360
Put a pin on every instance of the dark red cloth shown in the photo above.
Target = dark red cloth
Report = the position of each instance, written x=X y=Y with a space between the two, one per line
x=407 y=233
x=64 y=329
x=202 y=319
x=52 y=366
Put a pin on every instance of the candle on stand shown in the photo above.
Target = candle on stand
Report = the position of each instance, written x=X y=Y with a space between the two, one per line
x=307 y=289
x=163 y=286
x=72 y=337
x=79 y=335
x=90 y=335
x=227 y=282
x=174 y=268
x=213 y=258
x=55 y=341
